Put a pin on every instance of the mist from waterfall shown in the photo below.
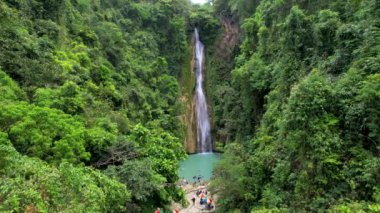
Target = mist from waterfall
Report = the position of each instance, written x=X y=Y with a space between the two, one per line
x=203 y=122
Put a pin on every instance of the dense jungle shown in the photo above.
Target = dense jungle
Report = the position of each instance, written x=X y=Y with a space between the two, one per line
x=96 y=95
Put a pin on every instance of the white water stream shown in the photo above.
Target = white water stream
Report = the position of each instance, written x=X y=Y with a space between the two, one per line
x=203 y=122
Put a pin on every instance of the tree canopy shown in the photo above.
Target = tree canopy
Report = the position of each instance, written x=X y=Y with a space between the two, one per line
x=92 y=95
x=298 y=109
x=89 y=96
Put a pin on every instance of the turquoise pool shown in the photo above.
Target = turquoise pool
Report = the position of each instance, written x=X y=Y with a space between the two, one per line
x=200 y=164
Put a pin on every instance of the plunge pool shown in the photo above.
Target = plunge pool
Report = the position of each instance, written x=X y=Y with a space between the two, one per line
x=200 y=164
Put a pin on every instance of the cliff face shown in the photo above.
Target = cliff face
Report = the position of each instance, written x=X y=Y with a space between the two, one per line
x=219 y=64
x=188 y=100
x=229 y=41
x=191 y=128
x=216 y=70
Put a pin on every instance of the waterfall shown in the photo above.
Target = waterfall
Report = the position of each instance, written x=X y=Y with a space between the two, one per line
x=203 y=122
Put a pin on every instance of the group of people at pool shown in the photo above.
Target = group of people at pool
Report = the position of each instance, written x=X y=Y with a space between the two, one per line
x=205 y=200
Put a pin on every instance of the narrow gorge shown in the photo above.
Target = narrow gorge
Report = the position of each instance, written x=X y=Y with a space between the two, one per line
x=108 y=105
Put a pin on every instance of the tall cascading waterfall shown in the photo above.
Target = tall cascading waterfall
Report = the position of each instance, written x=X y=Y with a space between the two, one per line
x=203 y=122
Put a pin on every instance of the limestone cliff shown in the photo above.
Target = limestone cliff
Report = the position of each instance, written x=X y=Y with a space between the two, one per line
x=188 y=100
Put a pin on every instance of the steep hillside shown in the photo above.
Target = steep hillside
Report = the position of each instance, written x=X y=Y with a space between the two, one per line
x=299 y=110
x=89 y=97
x=93 y=92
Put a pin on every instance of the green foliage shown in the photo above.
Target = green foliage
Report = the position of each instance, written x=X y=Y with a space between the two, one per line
x=163 y=149
x=230 y=179
x=20 y=48
x=326 y=29
x=297 y=35
x=79 y=78
x=202 y=17
x=44 y=133
x=256 y=72
x=368 y=98
x=239 y=9
x=9 y=89
x=305 y=86
x=67 y=98
x=94 y=83
x=29 y=184
x=142 y=181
